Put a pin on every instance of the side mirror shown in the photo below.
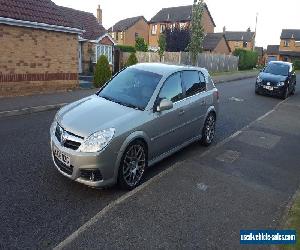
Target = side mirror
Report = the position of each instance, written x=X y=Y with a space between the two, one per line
x=164 y=105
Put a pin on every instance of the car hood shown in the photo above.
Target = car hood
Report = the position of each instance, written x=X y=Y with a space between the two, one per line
x=272 y=78
x=93 y=114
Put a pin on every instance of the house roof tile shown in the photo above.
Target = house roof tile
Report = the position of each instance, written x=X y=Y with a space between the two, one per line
x=290 y=33
x=42 y=11
x=245 y=36
x=125 y=24
x=273 y=49
x=211 y=41
x=176 y=14
x=85 y=21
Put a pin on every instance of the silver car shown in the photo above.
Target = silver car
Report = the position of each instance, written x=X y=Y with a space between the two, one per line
x=142 y=115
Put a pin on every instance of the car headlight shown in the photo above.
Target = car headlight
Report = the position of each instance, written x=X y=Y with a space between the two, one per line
x=259 y=80
x=97 y=141
x=280 y=84
x=53 y=125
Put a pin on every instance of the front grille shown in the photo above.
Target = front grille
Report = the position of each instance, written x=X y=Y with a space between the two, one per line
x=63 y=167
x=273 y=84
x=68 y=143
x=91 y=175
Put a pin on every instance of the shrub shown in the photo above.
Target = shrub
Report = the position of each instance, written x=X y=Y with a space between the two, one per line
x=296 y=64
x=102 y=72
x=132 y=60
x=247 y=58
x=140 y=44
x=126 y=48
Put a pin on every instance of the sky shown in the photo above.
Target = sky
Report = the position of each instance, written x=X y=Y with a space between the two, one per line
x=235 y=15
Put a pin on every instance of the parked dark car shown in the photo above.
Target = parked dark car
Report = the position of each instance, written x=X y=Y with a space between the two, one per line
x=278 y=79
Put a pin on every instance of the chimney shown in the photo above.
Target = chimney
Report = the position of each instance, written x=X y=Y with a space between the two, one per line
x=99 y=15
x=249 y=29
x=224 y=29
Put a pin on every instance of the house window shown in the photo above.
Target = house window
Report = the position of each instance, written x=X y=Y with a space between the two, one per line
x=154 y=29
x=104 y=50
x=237 y=44
x=286 y=43
x=162 y=28
x=245 y=44
x=121 y=36
x=117 y=35
x=182 y=25
x=136 y=35
x=297 y=43
x=113 y=35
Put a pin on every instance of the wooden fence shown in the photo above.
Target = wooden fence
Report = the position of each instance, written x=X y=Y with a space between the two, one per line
x=212 y=62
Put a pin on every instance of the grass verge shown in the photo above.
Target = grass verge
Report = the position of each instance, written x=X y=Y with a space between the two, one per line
x=293 y=222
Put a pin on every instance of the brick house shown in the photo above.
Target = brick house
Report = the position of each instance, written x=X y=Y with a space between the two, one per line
x=216 y=43
x=176 y=16
x=289 y=49
x=240 y=39
x=38 y=49
x=127 y=30
x=93 y=42
x=272 y=53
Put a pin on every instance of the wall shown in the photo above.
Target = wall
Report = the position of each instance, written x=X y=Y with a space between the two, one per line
x=212 y=62
x=206 y=23
x=292 y=46
x=34 y=61
x=239 y=45
x=142 y=28
x=222 y=48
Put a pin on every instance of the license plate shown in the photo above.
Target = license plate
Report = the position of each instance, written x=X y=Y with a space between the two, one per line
x=61 y=156
x=268 y=88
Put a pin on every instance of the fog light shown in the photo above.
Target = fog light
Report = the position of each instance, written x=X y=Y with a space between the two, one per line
x=91 y=175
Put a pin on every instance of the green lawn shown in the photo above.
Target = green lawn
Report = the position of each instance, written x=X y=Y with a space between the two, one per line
x=293 y=222
x=232 y=72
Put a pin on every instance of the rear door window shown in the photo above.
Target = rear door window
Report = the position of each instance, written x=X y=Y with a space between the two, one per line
x=191 y=83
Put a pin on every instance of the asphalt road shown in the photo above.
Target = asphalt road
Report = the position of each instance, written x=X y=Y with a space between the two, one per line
x=39 y=207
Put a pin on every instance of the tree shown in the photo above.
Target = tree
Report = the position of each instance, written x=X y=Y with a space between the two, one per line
x=132 y=60
x=197 y=32
x=177 y=39
x=102 y=72
x=162 y=43
x=140 y=44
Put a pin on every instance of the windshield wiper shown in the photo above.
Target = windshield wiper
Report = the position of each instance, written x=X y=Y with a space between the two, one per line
x=121 y=103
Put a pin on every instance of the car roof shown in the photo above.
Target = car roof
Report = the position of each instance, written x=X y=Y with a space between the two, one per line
x=164 y=69
x=281 y=62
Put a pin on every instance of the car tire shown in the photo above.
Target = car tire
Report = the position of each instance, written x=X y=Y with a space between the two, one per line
x=208 y=131
x=133 y=164
x=285 y=94
x=294 y=90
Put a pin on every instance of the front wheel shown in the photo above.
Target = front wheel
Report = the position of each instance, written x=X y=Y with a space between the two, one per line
x=132 y=167
x=285 y=94
x=208 y=132
x=294 y=90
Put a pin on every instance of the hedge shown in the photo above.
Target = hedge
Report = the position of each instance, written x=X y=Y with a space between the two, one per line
x=247 y=58
x=102 y=72
x=132 y=60
x=126 y=48
x=296 y=64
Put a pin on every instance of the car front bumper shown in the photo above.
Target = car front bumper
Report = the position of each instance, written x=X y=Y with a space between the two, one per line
x=277 y=91
x=104 y=163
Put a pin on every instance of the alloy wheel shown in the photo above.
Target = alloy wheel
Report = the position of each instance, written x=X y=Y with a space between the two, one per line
x=134 y=164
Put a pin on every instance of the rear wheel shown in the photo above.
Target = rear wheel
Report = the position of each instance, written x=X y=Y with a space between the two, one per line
x=132 y=167
x=208 y=132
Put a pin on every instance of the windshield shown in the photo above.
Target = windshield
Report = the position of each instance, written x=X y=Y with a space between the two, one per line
x=131 y=87
x=277 y=69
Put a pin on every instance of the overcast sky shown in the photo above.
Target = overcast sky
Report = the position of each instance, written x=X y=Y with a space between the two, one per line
x=236 y=15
